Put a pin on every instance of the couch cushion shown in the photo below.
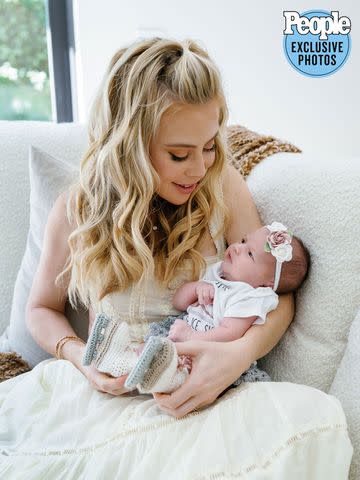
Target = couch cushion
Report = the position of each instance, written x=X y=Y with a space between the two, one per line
x=346 y=387
x=320 y=202
x=48 y=178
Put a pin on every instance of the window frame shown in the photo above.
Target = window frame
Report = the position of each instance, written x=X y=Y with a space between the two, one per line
x=61 y=57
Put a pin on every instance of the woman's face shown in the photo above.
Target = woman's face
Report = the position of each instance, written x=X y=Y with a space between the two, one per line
x=184 y=148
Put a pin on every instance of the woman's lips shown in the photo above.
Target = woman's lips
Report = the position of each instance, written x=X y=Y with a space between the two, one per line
x=187 y=189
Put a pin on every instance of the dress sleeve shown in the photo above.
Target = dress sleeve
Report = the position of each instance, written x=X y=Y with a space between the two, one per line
x=251 y=306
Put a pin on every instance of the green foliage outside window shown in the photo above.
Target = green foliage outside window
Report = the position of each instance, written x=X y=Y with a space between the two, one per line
x=24 y=72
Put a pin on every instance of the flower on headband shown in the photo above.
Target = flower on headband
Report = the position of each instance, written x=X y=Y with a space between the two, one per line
x=276 y=227
x=278 y=242
x=282 y=253
x=278 y=238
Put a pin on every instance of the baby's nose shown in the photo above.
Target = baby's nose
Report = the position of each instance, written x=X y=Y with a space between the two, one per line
x=237 y=248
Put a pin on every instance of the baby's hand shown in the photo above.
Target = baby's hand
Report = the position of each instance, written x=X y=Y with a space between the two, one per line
x=205 y=293
x=180 y=331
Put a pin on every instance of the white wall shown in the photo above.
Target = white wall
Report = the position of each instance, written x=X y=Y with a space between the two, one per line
x=264 y=92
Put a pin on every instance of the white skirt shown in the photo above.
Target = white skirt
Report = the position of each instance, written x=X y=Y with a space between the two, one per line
x=54 y=425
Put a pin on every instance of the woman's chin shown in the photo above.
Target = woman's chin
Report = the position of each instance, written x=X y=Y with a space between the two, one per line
x=173 y=199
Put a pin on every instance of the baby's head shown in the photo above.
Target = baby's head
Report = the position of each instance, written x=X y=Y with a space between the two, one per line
x=254 y=260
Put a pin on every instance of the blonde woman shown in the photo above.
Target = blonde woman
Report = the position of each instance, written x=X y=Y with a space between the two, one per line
x=155 y=203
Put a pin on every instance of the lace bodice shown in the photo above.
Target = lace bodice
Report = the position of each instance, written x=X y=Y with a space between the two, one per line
x=140 y=305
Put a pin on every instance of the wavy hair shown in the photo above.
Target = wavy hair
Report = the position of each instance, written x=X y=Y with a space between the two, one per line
x=114 y=201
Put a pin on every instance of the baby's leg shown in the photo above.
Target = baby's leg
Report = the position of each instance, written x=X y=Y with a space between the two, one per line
x=159 y=368
x=109 y=347
x=183 y=360
x=162 y=329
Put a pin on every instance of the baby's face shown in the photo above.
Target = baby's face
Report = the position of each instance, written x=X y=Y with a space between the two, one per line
x=248 y=262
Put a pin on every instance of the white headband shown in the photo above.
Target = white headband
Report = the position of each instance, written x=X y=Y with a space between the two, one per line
x=278 y=244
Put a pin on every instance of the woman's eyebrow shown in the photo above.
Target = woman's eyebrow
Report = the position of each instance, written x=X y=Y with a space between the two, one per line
x=187 y=145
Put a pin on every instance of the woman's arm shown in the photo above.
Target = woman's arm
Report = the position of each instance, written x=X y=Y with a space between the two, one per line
x=45 y=317
x=261 y=339
x=244 y=217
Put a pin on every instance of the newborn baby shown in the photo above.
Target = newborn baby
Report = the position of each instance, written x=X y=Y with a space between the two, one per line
x=239 y=291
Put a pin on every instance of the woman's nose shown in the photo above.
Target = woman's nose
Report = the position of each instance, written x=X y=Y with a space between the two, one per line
x=197 y=168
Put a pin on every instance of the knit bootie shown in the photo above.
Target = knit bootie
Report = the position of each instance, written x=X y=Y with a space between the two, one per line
x=157 y=368
x=109 y=347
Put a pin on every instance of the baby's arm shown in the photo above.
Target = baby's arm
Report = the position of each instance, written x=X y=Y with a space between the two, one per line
x=231 y=328
x=185 y=295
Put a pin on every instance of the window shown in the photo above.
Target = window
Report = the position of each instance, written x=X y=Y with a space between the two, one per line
x=36 y=43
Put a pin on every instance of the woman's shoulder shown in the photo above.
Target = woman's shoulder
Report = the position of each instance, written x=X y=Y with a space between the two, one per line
x=244 y=217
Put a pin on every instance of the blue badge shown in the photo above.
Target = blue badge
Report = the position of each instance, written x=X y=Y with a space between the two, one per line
x=317 y=43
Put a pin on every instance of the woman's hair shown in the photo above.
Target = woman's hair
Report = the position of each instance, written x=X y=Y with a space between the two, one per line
x=114 y=201
x=296 y=271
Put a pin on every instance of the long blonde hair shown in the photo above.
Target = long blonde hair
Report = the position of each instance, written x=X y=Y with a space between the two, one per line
x=114 y=201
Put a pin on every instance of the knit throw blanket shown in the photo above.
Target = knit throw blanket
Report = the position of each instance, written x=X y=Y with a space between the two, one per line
x=246 y=149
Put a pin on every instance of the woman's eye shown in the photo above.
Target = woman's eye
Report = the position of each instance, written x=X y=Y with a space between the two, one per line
x=250 y=254
x=212 y=149
x=243 y=240
x=178 y=159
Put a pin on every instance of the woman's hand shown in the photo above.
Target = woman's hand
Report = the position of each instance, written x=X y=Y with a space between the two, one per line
x=102 y=382
x=205 y=293
x=215 y=366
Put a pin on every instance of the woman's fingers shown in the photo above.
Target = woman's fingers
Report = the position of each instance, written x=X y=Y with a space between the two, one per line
x=114 y=386
x=193 y=403
x=189 y=348
x=104 y=382
x=184 y=409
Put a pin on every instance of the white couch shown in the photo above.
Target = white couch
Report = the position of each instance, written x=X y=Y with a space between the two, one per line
x=318 y=200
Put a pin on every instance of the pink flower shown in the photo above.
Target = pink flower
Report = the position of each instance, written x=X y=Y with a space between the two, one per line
x=278 y=238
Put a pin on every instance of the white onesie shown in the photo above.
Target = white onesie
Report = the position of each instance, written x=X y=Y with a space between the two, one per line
x=231 y=299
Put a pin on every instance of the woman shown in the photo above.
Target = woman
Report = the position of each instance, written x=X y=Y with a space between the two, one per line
x=155 y=202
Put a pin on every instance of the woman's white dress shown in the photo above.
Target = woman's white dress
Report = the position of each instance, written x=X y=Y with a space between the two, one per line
x=54 y=425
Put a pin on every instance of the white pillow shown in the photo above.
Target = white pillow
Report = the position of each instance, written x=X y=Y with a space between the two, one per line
x=346 y=387
x=319 y=201
x=48 y=178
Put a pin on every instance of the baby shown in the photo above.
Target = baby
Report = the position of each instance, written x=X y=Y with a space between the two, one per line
x=232 y=295
x=239 y=291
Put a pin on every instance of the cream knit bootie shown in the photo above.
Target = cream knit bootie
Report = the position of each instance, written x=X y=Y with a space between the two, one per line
x=109 y=346
x=157 y=368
